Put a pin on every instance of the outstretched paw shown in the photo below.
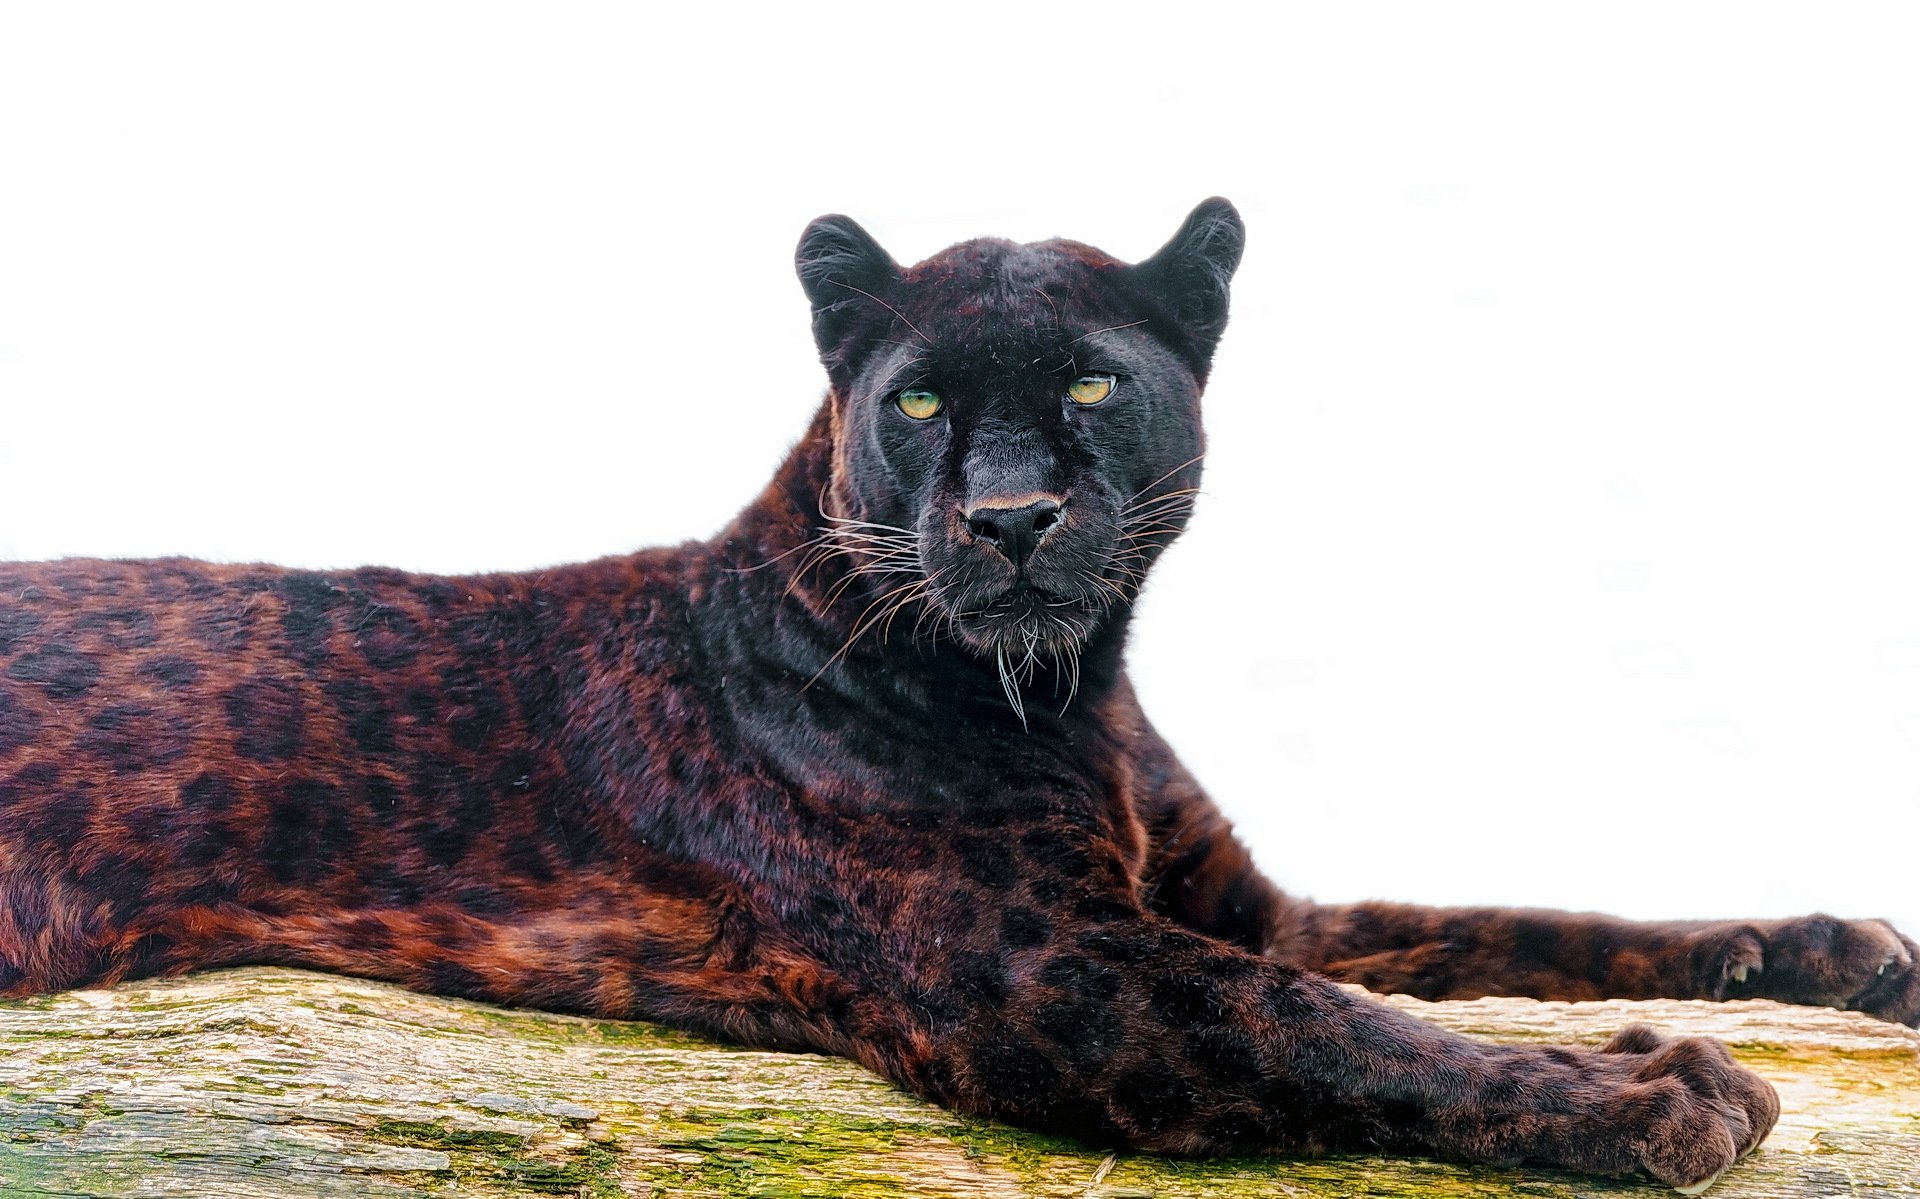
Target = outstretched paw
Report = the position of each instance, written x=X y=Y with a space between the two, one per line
x=1858 y=965
x=1684 y=1108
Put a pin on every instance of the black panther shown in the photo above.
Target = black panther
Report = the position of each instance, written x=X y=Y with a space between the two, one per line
x=862 y=774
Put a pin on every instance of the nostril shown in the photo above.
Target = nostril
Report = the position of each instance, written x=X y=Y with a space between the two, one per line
x=1045 y=520
x=985 y=530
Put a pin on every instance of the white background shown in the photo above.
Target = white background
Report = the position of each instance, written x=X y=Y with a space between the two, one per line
x=1560 y=541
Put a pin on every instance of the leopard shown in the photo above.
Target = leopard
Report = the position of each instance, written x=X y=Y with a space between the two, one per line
x=863 y=774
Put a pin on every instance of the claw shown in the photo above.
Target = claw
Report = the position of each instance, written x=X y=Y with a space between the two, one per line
x=1739 y=975
x=1700 y=1188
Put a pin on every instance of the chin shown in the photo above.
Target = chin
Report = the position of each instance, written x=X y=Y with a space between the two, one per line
x=1024 y=626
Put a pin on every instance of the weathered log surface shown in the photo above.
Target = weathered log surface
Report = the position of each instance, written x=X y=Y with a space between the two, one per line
x=282 y=1083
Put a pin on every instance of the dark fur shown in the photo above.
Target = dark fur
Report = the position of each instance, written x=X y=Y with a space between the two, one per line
x=810 y=790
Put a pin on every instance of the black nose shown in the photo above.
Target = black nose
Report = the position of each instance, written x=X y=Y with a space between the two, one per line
x=1014 y=531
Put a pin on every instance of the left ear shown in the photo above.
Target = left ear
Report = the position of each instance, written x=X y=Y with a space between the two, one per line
x=842 y=269
x=1189 y=275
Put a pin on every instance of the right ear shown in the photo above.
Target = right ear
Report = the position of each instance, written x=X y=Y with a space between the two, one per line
x=1189 y=275
x=841 y=268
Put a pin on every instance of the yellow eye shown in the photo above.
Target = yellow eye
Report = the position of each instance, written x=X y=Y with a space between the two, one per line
x=1090 y=389
x=920 y=405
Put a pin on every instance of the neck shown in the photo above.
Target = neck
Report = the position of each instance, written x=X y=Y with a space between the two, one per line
x=875 y=637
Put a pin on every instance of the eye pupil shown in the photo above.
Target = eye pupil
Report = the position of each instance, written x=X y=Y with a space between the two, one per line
x=920 y=405
x=1090 y=389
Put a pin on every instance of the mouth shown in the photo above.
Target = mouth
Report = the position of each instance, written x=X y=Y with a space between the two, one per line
x=1023 y=602
x=1026 y=626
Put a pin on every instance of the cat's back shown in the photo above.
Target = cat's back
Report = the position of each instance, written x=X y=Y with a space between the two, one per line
x=263 y=726
x=258 y=663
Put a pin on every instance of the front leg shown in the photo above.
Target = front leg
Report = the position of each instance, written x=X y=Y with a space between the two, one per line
x=1121 y=1027
x=1199 y=875
x=1463 y=953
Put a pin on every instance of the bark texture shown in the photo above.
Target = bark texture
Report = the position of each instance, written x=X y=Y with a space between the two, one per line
x=280 y=1083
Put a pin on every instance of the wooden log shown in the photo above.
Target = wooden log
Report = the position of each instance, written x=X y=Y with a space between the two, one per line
x=281 y=1083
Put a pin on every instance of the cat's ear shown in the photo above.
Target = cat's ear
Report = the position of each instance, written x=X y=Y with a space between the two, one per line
x=1189 y=275
x=841 y=268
